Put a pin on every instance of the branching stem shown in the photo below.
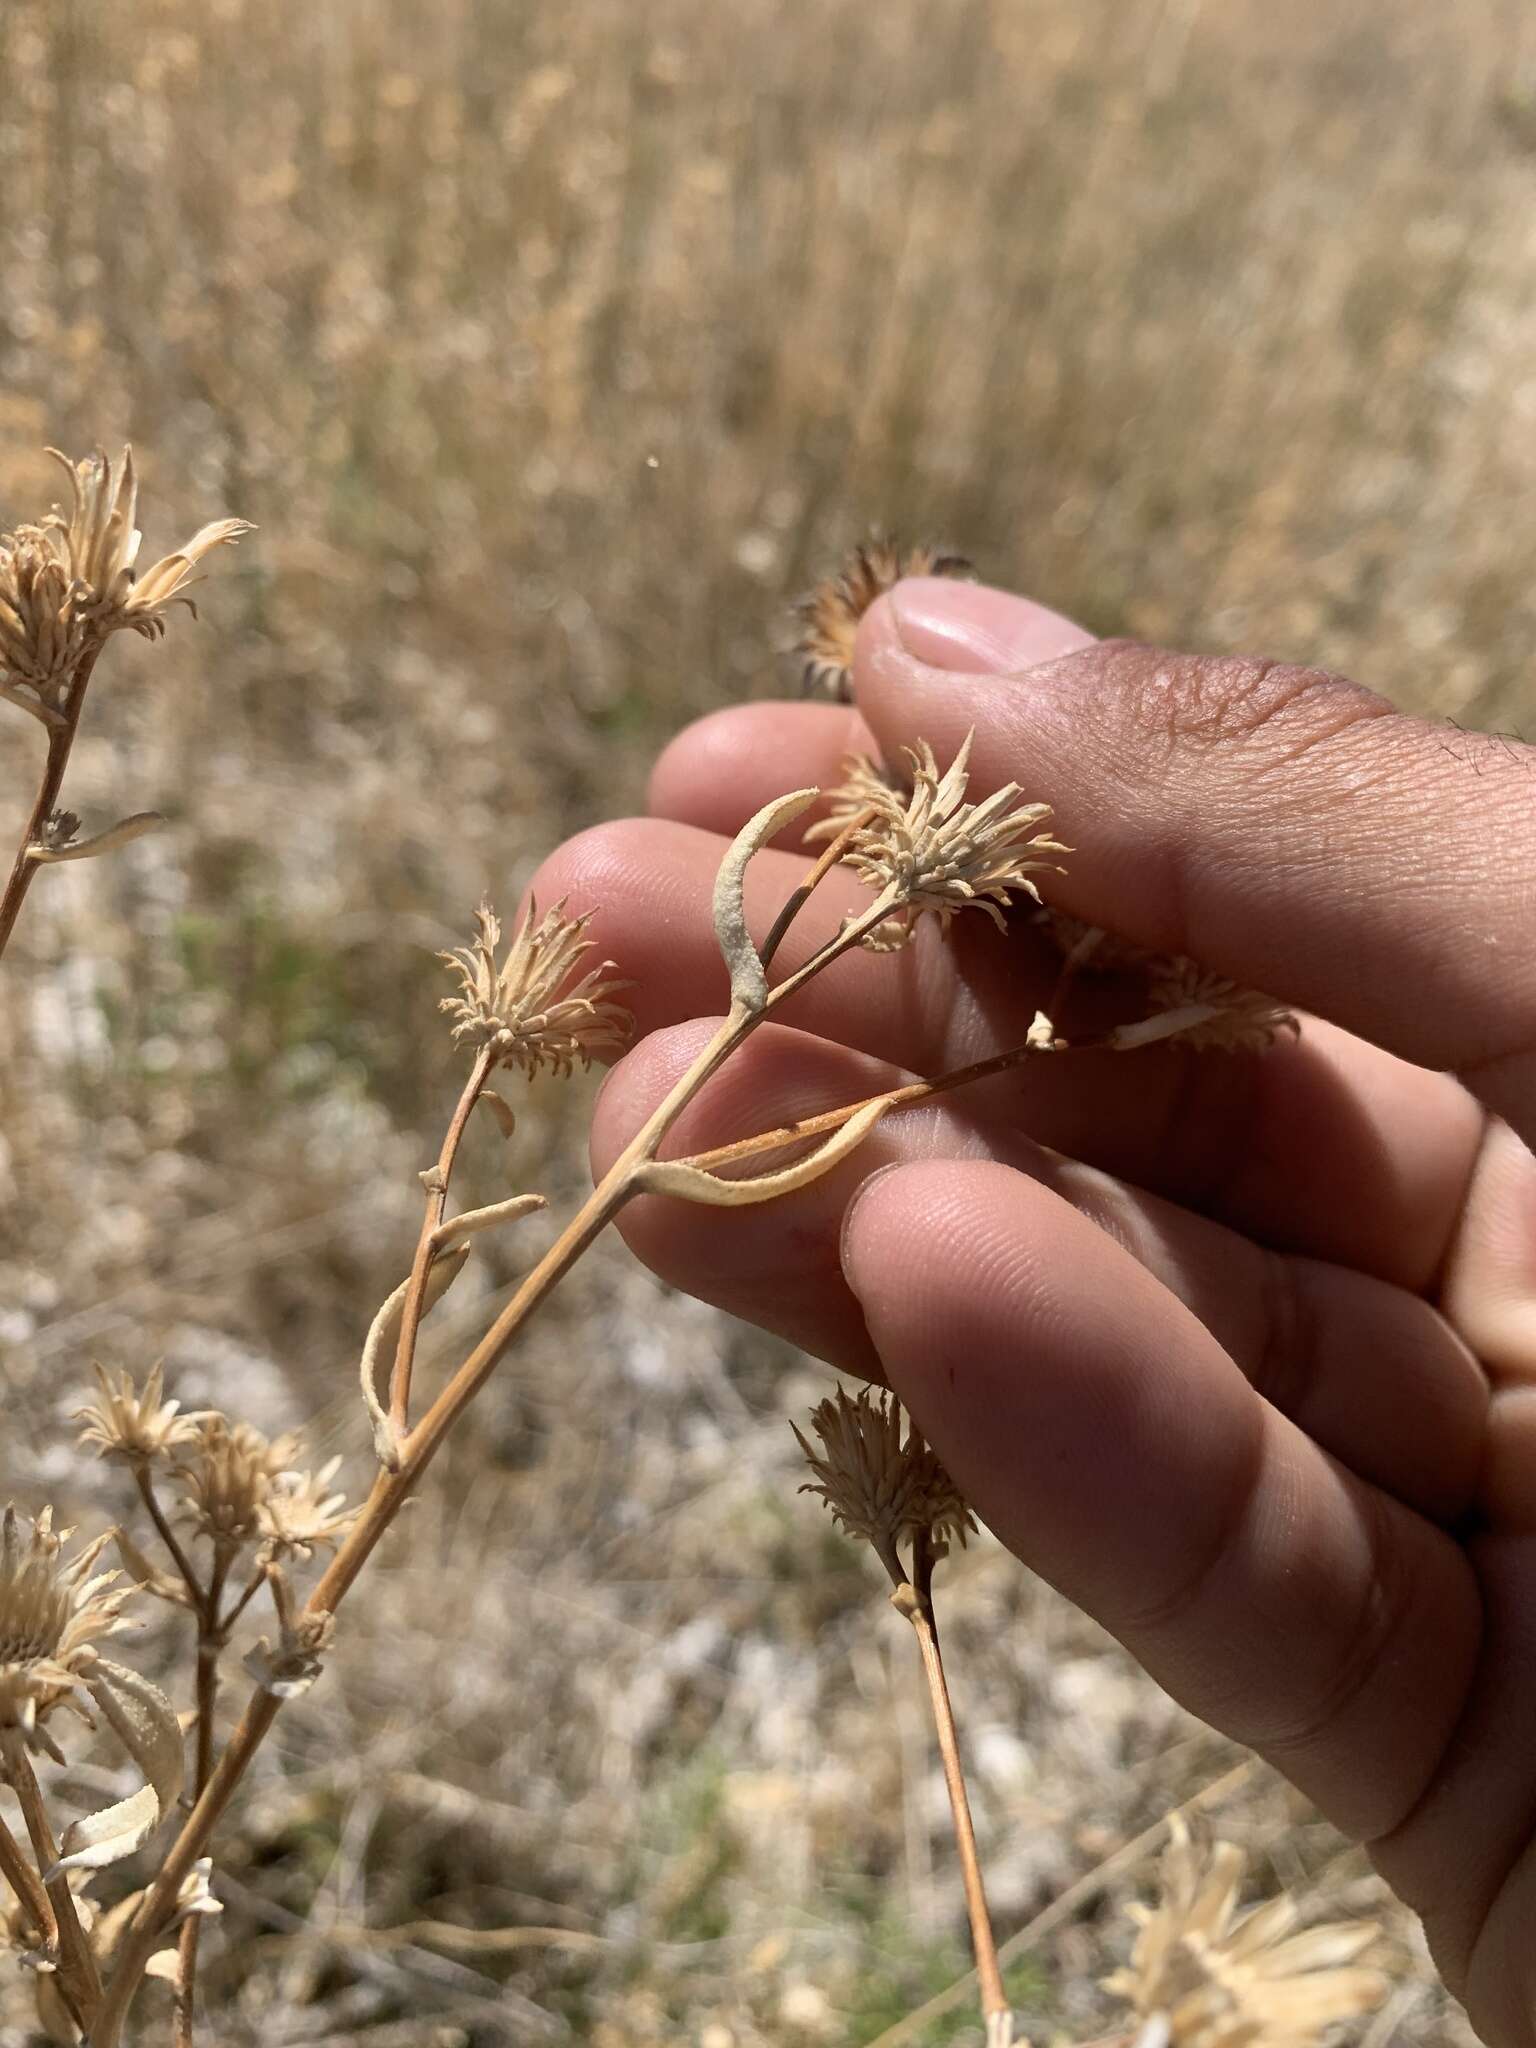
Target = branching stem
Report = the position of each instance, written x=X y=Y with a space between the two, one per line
x=61 y=738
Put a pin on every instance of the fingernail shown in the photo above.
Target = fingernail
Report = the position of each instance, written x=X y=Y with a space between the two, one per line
x=976 y=630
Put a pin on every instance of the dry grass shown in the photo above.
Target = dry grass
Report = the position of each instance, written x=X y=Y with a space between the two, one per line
x=553 y=348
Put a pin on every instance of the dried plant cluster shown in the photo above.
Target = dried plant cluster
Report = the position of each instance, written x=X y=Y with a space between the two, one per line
x=230 y=1530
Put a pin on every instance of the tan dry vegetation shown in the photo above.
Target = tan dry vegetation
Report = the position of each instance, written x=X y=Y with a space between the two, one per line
x=553 y=348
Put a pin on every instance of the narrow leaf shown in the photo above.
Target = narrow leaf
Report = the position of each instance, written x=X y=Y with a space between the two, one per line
x=100 y=842
x=385 y=1331
x=694 y=1184
x=749 y=983
x=458 y=1228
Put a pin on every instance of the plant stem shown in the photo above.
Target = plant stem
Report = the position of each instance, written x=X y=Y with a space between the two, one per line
x=79 y=1979
x=421 y=1265
x=915 y=1603
x=28 y=1886
x=61 y=738
x=895 y=1098
x=168 y=1536
x=212 y=1634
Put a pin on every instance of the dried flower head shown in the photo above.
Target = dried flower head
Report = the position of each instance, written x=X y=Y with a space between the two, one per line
x=230 y=1474
x=1223 y=1014
x=830 y=615
x=52 y=1613
x=124 y=1423
x=1220 y=1979
x=934 y=851
x=43 y=633
x=866 y=784
x=877 y=1485
x=299 y=1516
x=69 y=582
x=99 y=544
x=528 y=1011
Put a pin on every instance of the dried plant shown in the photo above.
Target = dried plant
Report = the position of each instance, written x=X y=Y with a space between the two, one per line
x=230 y=1518
x=830 y=614
x=1204 y=1975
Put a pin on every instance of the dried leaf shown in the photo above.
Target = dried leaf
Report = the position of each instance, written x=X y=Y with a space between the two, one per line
x=694 y=1184
x=145 y=1723
x=385 y=1332
x=500 y=1108
x=749 y=982
x=459 y=1228
x=100 y=842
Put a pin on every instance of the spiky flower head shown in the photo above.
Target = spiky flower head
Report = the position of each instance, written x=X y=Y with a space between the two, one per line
x=934 y=851
x=124 y=1423
x=527 y=1010
x=878 y=1485
x=68 y=583
x=299 y=1515
x=1218 y=1978
x=230 y=1473
x=1197 y=1008
x=830 y=614
x=99 y=544
x=52 y=1613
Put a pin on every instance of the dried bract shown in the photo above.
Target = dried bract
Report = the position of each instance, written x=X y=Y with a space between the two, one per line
x=1220 y=1979
x=933 y=851
x=528 y=1011
x=124 y=1423
x=52 y=1614
x=299 y=1516
x=830 y=615
x=291 y=1666
x=878 y=1486
x=43 y=632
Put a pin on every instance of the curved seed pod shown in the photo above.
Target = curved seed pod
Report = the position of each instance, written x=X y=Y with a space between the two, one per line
x=749 y=982
x=694 y=1184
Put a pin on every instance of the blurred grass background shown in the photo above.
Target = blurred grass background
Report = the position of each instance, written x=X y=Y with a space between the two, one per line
x=554 y=347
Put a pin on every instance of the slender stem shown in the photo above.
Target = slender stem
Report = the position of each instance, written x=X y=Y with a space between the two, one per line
x=421 y=1265
x=814 y=878
x=168 y=1536
x=27 y=1885
x=895 y=1098
x=79 y=1979
x=914 y=1602
x=61 y=738
x=212 y=1634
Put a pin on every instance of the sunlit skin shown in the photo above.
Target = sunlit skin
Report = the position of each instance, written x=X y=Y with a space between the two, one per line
x=1239 y=1351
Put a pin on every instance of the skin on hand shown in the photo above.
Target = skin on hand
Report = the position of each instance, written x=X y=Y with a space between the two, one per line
x=1238 y=1351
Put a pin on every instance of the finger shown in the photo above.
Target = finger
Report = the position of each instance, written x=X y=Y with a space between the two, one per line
x=1105 y=1436
x=1281 y=825
x=1371 y=1372
x=722 y=769
x=1331 y=1147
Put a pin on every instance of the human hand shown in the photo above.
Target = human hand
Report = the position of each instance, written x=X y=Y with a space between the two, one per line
x=1239 y=1351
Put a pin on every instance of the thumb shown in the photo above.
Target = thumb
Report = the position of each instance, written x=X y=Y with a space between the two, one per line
x=1281 y=825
